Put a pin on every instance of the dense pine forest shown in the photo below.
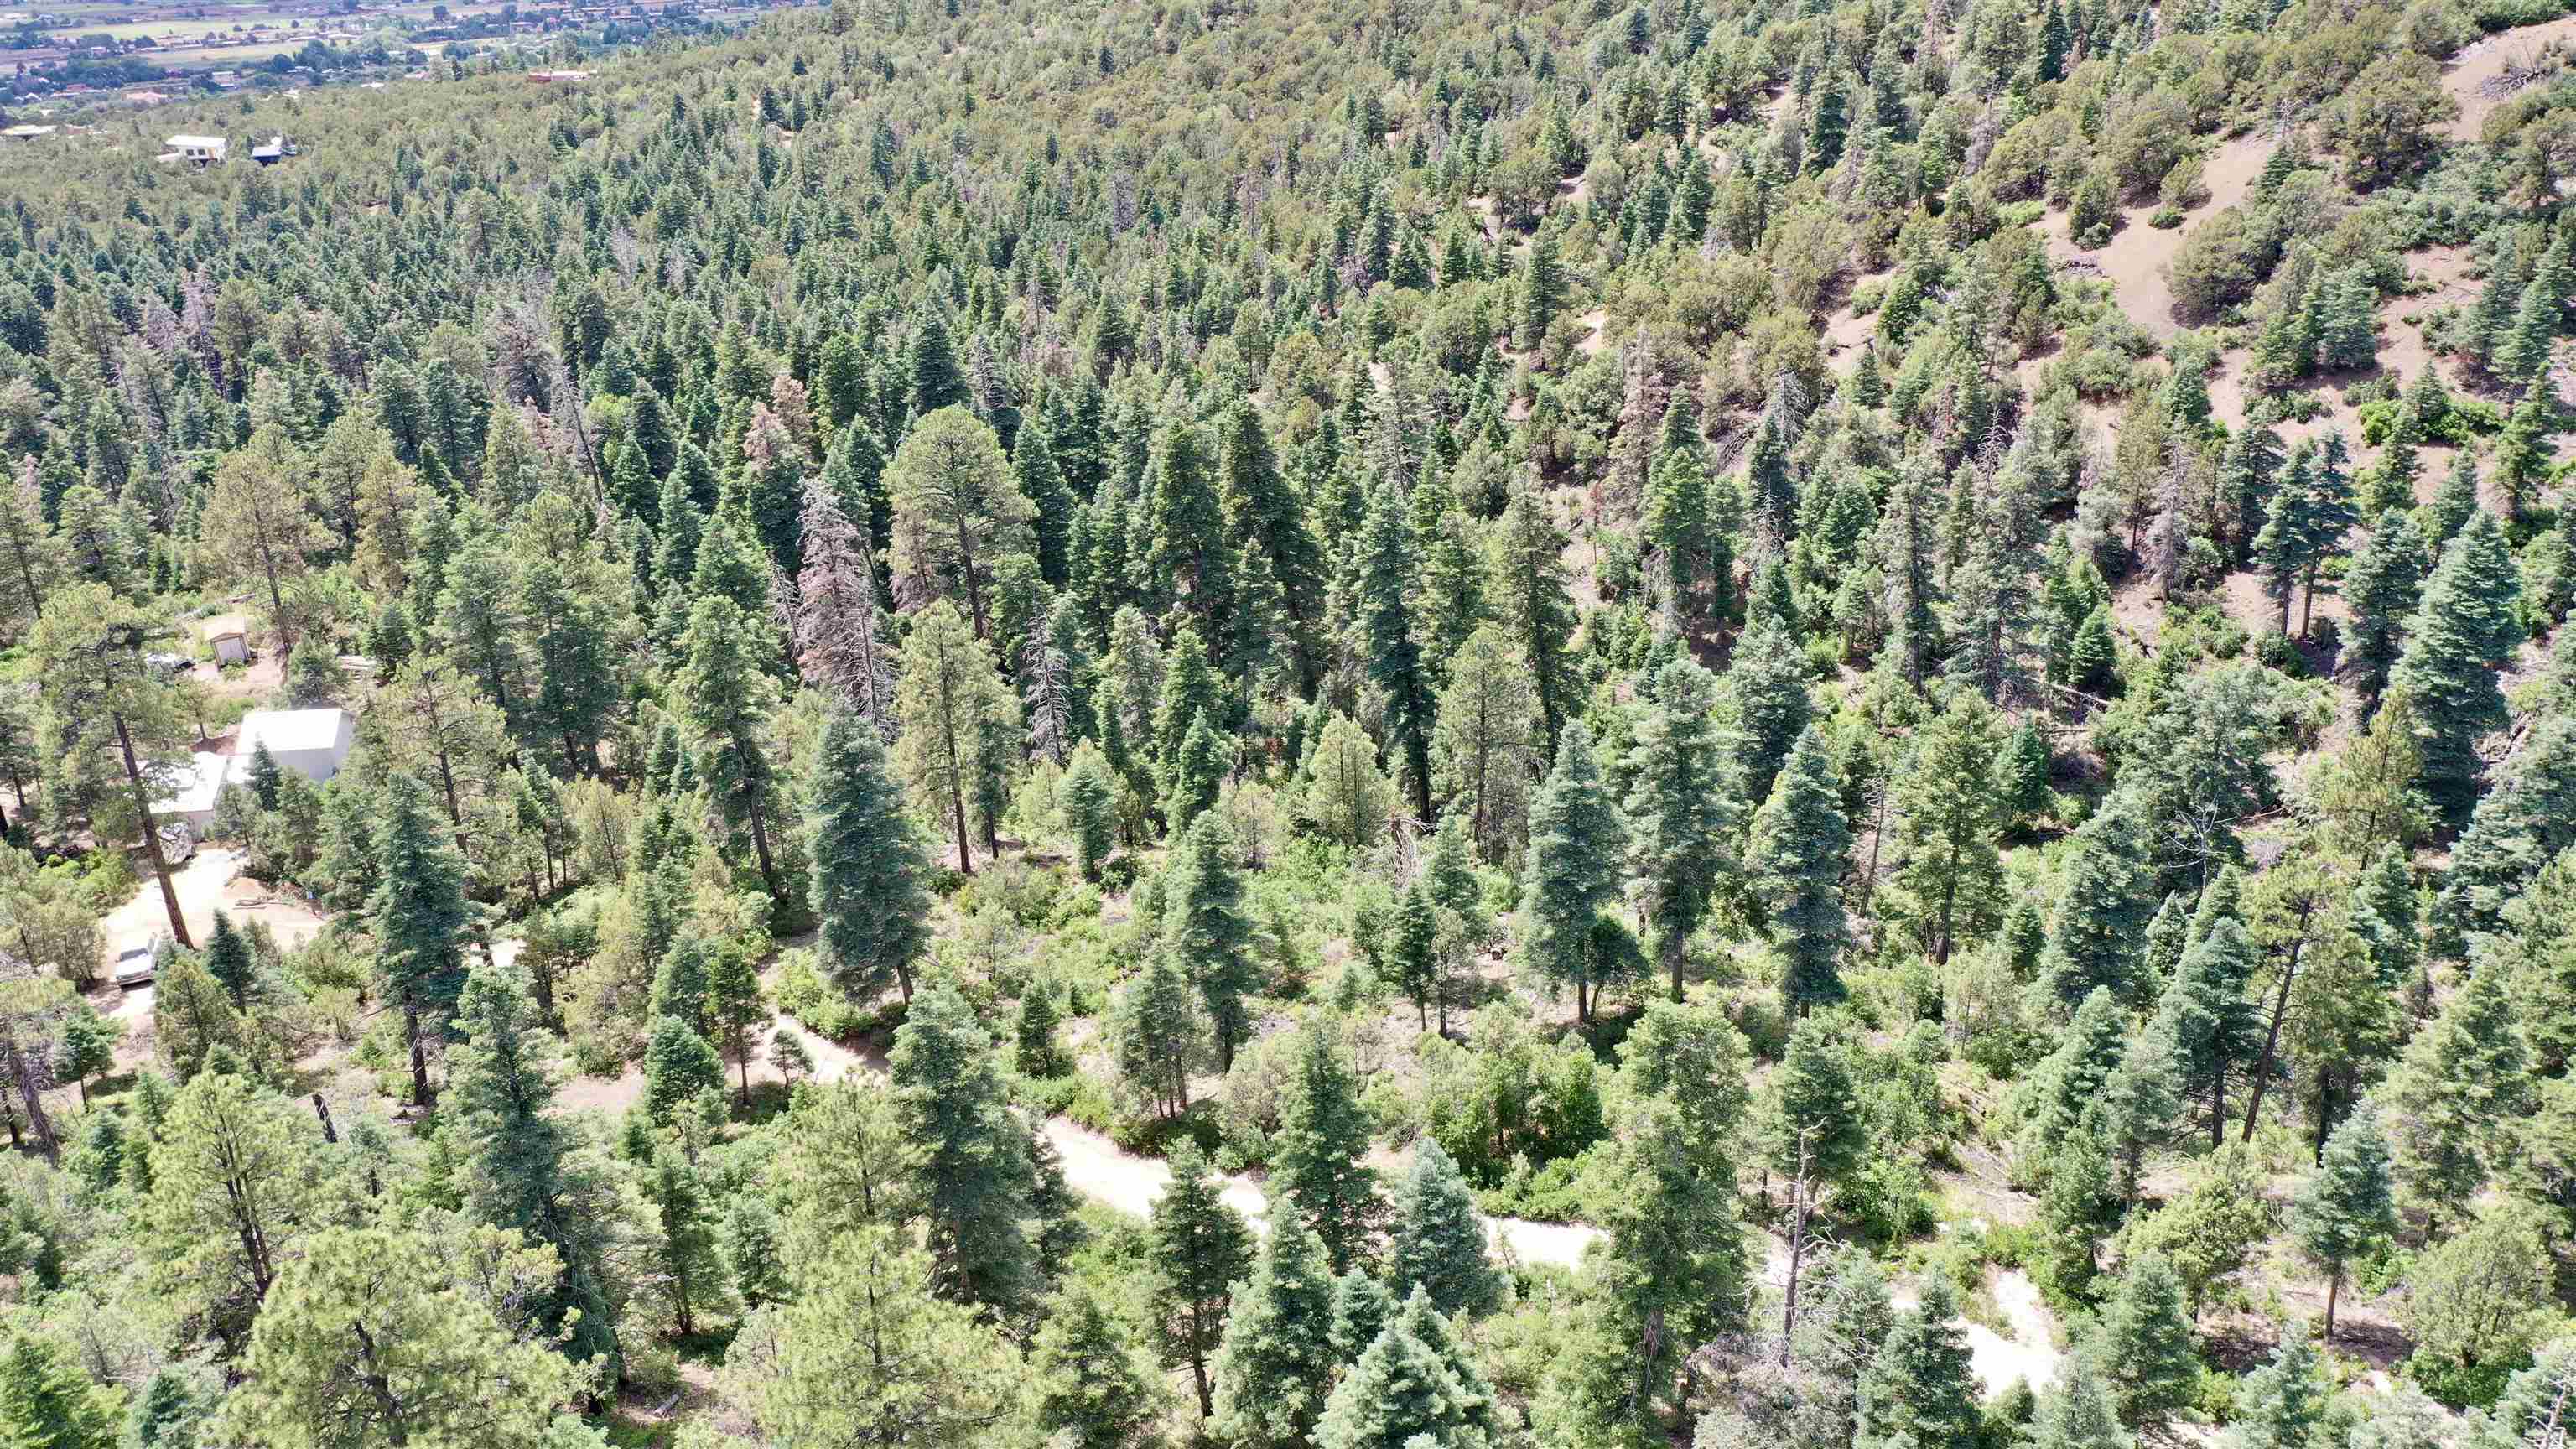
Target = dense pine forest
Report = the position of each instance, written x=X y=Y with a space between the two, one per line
x=1818 y=724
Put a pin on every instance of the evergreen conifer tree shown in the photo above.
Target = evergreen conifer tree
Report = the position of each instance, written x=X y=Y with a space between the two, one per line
x=2102 y=910
x=2523 y=452
x=2203 y=1021
x=228 y=960
x=2144 y=1341
x=2384 y=585
x=1199 y=1247
x=1159 y=1036
x=2346 y=1204
x=1208 y=935
x=1576 y=838
x=516 y=1164
x=1767 y=679
x=1541 y=292
x=724 y=702
x=2465 y=629
x=1919 y=1390
x=1535 y=606
x=1088 y=807
x=977 y=1172
x=1798 y=852
x=870 y=868
x=1683 y=809
x=2077 y=1412
x=1090 y=1388
x=679 y=1065
x=1275 y=1362
x=2454 y=1096
x=420 y=918
x=48 y=1402
x=1436 y=1241
x=1389 y=583
x=1317 y=1163
x=2282 y=1403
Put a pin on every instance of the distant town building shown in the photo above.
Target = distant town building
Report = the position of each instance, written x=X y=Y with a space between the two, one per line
x=202 y=150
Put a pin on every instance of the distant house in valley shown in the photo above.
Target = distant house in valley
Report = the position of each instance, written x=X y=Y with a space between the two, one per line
x=200 y=150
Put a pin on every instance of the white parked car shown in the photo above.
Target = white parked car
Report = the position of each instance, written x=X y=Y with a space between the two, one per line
x=134 y=967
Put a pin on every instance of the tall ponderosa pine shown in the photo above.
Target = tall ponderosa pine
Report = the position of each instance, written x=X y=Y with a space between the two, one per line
x=1488 y=744
x=958 y=722
x=957 y=513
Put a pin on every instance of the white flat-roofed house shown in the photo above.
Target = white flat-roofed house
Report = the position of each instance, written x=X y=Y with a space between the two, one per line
x=192 y=799
x=203 y=150
x=313 y=743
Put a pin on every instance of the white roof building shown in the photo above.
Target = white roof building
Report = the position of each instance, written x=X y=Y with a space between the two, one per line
x=193 y=801
x=312 y=742
x=199 y=148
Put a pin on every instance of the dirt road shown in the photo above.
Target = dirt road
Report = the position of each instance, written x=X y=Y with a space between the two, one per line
x=1101 y=1170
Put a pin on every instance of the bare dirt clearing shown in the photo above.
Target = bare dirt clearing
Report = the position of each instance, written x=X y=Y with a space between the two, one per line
x=2478 y=77
x=2138 y=256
